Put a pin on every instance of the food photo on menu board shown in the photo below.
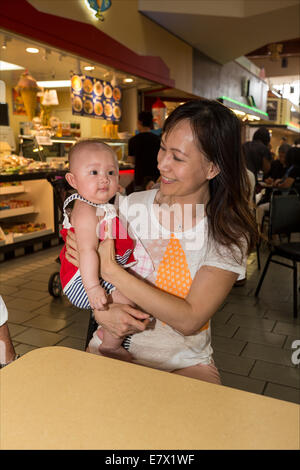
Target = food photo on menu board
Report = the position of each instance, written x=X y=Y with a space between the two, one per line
x=95 y=98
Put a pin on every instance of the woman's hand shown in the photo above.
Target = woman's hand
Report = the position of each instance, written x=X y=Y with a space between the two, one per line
x=121 y=320
x=72 y=253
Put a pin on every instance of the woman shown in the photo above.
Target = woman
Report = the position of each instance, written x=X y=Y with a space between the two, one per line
x=197 y=259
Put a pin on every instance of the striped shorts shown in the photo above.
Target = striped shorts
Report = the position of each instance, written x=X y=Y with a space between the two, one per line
x=76 y=292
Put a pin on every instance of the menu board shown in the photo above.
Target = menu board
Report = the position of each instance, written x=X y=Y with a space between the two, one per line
x=95 y=98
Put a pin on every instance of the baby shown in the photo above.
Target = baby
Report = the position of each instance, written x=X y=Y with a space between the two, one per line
x=94 y=173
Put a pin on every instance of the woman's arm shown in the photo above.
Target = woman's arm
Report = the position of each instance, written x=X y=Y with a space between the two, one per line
x=209 y=289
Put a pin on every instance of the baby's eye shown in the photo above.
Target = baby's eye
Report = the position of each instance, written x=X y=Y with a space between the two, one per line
x=111 y=172
x=93 y=172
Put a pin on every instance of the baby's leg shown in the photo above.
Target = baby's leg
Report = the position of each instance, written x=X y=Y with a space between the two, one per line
x=110 y=345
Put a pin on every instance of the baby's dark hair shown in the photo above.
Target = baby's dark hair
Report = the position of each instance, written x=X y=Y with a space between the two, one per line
x=90 y=143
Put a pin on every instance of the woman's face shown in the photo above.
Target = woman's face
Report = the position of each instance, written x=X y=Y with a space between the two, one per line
x=184 y=169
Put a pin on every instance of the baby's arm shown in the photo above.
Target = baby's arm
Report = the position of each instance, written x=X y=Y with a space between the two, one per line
x=84 y=221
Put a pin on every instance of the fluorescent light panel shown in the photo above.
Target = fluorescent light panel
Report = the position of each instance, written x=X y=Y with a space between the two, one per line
x=55 y=84
x=32 y=50
x=7 y=66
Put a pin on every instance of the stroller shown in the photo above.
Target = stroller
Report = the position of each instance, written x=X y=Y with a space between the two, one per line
x=62 y=190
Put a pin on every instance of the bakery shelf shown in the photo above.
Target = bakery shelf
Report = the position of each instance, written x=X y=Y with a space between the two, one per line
x=4 y=214
x=12 y=189
x=20 y=237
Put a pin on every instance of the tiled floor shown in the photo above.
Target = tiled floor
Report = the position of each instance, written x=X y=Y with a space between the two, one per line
x=251 y=338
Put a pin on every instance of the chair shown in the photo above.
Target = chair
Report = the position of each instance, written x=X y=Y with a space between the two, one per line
x=284 y=220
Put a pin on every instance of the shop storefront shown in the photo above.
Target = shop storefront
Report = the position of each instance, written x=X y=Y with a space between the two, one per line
x=60 y=80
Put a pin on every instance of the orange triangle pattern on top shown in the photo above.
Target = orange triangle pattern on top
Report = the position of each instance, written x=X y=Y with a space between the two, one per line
x=173 y=274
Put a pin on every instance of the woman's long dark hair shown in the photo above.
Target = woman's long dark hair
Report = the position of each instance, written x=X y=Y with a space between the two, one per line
x=217 y=133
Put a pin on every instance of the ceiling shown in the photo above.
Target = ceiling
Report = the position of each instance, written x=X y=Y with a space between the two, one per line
x=227 y=29
x=52 y=64
x=246 y=26
x=287 y=64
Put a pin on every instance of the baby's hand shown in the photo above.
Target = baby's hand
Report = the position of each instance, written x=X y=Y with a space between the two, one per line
x=97 y=297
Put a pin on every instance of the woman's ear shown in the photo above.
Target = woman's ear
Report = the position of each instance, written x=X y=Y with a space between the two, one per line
x=213 y=171
x=71 y=180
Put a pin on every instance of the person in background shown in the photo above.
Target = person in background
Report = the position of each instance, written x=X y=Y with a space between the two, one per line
x=278 y=167
x=262 y=137
x=7 y=350
x=291 y=177
x=142 y=151
x=297 y=143
x=257 y=154
x=282 y=141
x=257 y=158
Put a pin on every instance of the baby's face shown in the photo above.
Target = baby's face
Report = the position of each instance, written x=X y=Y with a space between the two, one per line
x=96 y=175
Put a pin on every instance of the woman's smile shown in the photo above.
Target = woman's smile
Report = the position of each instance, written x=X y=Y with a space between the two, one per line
x=166 y=180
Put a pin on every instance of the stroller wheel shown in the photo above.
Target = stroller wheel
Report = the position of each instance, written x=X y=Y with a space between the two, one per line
x=54 y=285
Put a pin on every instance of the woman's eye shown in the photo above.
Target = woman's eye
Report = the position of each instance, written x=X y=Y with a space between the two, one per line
x=162 y=148
x=177 y=159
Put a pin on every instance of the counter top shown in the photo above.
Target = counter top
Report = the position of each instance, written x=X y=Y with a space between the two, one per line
x=60 y=398
x=37 y=175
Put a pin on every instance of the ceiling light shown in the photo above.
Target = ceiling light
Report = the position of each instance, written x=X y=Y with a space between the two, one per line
x=238 y=112
x=89 y=67
x=128 y=80
x=46 y=54
x=32 y=50
x=6 y=39
x=55 y=84
x=7 y=66
x=251 y=117
x=275 y=50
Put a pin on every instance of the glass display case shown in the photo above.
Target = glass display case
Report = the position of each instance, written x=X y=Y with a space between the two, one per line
x=44 y=148
x=28 y=214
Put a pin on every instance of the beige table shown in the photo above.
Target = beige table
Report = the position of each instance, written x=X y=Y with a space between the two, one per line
x=59 y=398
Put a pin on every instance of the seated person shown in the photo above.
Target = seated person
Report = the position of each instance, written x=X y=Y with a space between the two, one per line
x=291 y=179
x=292 y=174
x=278 y=167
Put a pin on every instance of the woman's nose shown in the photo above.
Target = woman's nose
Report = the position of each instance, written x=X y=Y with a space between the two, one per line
x=163 y=162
